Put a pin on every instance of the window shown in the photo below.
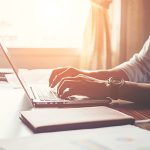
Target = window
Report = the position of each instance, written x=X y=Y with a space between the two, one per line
x=43 y=23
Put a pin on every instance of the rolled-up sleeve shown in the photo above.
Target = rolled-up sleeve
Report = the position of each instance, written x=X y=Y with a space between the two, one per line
x=138 y=67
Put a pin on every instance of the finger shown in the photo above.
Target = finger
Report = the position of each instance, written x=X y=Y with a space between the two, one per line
x=68 y=93
x=70 y=82
x=54 y=73
x=65 y=79
x=66 y=73
x=67 y=84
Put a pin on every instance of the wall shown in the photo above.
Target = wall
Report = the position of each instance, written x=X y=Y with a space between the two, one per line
x=42 y=58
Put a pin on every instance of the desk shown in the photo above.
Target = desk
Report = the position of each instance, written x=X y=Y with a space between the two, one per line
x=14 y=100
x=138 y=111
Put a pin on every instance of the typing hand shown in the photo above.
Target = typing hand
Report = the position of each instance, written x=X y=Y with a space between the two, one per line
x=59 y=73
x=82 y=85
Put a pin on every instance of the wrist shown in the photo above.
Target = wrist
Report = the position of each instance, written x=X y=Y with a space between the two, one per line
x=101 y=74
x=114 y=85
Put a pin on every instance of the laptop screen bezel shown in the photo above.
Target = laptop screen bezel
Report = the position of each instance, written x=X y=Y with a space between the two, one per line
x=16 y=71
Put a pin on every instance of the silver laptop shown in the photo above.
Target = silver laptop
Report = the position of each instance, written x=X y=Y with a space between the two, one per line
x=43 y=96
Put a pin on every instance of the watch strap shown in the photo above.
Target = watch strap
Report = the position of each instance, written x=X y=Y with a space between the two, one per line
x=115 y=84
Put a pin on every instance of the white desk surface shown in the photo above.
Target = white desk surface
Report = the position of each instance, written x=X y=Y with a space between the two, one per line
x=12 y=101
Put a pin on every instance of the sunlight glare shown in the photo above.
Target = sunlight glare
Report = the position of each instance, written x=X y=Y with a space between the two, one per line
x=44 y=23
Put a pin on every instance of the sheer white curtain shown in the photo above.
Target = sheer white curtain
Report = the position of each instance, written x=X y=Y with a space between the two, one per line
x=96 y=51
x=96 y=44
x=113 y=34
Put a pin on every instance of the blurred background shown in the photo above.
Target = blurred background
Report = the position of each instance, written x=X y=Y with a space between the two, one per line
x=87 y=34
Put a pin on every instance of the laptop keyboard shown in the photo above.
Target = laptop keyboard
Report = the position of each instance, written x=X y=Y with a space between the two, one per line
x=44 y=93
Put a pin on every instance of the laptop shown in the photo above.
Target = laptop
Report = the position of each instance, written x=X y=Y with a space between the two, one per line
x=44 y=96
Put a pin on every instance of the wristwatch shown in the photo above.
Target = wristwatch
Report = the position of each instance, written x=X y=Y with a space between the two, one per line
x=115 y=83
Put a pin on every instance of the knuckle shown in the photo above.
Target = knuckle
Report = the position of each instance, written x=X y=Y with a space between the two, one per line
x=71 y=69
x=57 y=76
x=62 y=81
x=79 y=76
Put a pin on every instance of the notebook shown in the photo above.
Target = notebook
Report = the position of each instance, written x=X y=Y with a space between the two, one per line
x=44 y=96
x=59 y=119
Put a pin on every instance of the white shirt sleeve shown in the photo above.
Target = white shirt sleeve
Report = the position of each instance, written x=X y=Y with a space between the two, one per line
x=138 y=67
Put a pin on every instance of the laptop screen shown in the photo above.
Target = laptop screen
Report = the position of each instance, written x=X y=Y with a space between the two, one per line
x=16 y=70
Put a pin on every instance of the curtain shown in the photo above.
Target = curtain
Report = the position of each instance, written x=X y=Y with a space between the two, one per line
x=113 y=34
x=96 y=50
x=135 y=27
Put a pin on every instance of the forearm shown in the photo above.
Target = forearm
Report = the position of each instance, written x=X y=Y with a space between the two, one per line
x=131 y=91
x=105 y=74
x=135 y=92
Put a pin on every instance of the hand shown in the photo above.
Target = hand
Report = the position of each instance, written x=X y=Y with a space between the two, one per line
x=83 y=85
x=59 y=73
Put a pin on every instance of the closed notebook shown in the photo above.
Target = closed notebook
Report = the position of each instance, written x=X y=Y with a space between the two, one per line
x=60 y=119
